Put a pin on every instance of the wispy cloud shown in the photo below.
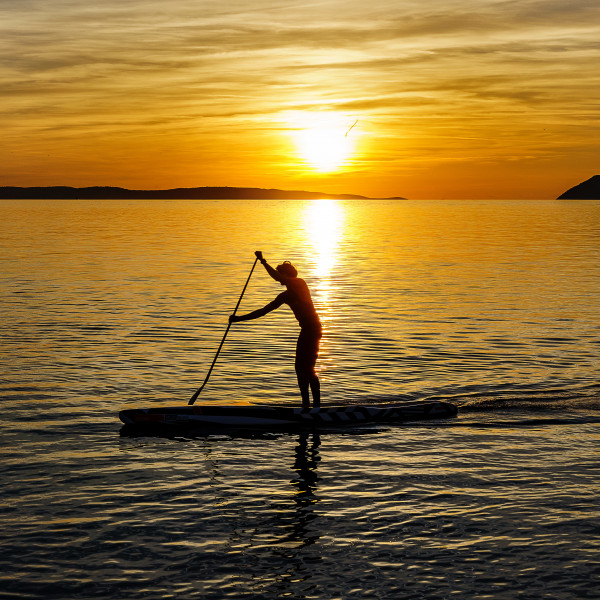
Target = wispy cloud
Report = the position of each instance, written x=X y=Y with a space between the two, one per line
x=203 y=73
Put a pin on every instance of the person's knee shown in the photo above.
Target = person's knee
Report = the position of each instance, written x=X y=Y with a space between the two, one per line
x=302 y=374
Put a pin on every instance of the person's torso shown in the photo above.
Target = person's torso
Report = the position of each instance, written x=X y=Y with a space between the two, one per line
x=297 y=297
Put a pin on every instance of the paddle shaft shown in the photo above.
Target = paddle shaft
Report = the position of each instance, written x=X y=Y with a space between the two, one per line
x=197 y=393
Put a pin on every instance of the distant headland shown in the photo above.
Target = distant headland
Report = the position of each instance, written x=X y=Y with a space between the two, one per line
x=200 y=193
x=587 y=190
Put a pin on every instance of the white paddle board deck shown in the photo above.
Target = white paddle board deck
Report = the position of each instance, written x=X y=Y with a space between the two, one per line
x=284 y=416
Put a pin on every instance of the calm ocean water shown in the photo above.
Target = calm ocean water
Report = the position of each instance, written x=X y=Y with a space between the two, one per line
x=490 y=304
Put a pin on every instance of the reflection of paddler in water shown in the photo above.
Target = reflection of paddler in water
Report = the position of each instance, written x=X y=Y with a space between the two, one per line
x=305 y=465
x=297 y=297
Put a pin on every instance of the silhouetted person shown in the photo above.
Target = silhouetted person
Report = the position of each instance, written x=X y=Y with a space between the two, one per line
x=297 y=296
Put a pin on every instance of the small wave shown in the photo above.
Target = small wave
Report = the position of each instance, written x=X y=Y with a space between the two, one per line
x=550 y=400
x=575 y=420
x=533 y=398
x=517 y=422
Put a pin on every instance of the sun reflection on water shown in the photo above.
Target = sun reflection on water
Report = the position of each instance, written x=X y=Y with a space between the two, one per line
x=324 y=223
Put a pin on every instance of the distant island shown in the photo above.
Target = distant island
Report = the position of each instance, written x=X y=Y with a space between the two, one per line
x=587 y=190
x=200 y=193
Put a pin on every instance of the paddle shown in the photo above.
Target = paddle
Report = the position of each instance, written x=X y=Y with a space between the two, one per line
x=193 y=398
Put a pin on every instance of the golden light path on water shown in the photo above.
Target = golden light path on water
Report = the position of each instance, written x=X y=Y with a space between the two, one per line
x=324 y=225
x=324 y=230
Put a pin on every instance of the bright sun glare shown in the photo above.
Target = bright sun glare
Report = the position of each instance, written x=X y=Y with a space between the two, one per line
x=324 y=224
x=325 y=142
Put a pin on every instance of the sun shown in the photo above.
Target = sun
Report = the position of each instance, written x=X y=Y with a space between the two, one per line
x=325 y=142
x=325 y=149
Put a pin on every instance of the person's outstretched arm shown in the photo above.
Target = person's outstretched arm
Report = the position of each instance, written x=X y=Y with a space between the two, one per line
x=261 y=312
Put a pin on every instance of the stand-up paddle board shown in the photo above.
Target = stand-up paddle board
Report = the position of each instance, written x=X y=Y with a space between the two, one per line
x=284 y=416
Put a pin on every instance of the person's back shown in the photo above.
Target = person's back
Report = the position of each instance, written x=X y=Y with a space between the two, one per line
x=298 y=297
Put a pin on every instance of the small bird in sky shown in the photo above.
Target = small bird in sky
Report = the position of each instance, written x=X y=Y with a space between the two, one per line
x=353 y=124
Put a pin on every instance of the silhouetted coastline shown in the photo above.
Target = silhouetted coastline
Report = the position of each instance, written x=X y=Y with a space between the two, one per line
x=587 y=190
x=208 y=193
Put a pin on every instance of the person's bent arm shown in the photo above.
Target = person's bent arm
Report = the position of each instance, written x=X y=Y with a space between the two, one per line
x=270 y=270
x=256 y=314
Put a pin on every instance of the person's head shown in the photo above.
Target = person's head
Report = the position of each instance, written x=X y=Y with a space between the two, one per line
x=287 y=269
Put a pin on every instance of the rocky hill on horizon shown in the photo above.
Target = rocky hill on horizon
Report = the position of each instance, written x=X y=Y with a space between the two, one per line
x=207 y=193
x=586 y=190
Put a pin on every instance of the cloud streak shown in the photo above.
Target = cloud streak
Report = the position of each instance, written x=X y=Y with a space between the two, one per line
x=203 y=75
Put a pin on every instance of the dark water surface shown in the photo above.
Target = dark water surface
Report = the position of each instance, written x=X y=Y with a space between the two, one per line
x=113 y=304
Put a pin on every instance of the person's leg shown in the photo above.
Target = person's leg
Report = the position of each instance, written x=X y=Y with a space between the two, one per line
x=307 y=351
x=315 y=388
x=300 y=365
x=304 y=385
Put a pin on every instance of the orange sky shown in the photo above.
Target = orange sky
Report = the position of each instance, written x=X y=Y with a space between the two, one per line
x=452 y=99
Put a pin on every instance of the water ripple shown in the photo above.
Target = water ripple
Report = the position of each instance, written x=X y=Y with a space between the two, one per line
x=106 y=312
